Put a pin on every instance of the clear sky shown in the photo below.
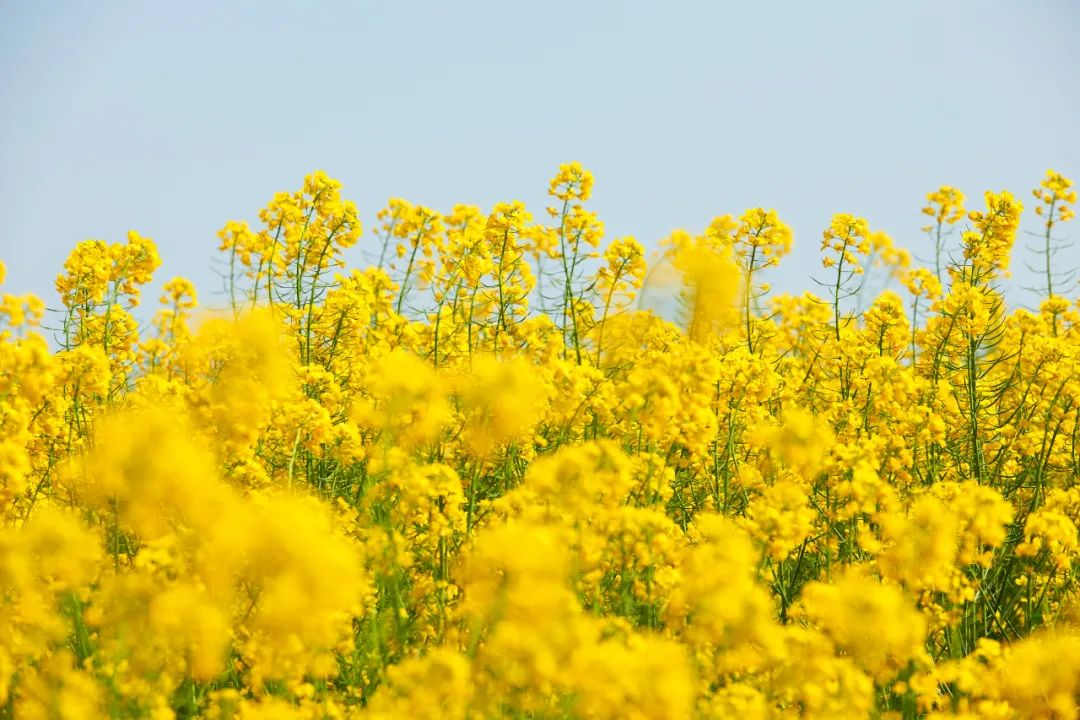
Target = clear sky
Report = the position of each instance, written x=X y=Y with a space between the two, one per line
x=172 y=118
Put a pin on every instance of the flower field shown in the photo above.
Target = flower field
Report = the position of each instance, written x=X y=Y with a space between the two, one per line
x=480 y=478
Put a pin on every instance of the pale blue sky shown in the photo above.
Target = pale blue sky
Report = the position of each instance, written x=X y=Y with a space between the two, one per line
x=172 y=118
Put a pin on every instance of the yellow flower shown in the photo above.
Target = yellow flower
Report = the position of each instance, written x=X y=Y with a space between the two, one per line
x=572 y=182
x=871 y=620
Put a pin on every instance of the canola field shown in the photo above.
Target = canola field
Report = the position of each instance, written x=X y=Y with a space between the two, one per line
x=480 y=479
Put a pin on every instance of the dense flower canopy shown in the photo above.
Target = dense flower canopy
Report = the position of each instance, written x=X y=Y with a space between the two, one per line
x=480 y=479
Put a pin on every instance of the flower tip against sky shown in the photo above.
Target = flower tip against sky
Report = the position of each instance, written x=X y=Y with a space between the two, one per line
x=173 y=119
